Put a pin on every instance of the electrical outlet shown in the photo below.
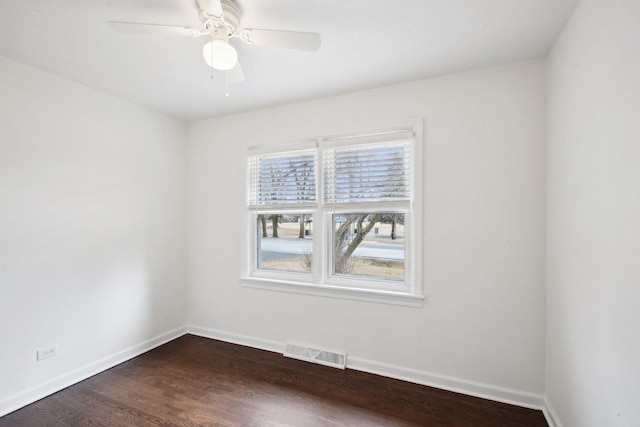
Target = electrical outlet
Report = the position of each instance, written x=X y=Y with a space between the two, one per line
x=47 y=352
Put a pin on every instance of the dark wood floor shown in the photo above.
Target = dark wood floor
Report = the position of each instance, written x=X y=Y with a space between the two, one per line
x=194 y=381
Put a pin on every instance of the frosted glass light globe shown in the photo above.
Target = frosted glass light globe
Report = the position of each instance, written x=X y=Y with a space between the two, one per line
x=220 y=55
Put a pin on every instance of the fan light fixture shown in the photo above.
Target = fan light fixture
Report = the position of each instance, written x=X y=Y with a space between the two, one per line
x=220 y=55
x=221 y=21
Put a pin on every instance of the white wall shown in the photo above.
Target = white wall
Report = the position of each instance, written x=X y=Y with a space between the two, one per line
x=593 y=217
x=92 y=230
x=483 y=242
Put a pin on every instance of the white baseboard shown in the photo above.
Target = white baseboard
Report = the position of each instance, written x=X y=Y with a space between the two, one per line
x=457 y=385
x=550 y=414
x=485 y=391
x=215 y=334
x=27 y=397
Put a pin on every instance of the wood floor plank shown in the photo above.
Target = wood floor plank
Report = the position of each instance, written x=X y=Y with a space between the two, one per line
x=195 y=381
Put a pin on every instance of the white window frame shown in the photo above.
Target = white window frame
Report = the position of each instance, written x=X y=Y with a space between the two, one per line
x=321 y=281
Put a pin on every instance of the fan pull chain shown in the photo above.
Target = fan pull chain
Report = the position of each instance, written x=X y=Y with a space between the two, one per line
x=227 y=73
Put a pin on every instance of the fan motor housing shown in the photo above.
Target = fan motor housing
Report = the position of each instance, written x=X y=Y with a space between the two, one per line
x=230 y=20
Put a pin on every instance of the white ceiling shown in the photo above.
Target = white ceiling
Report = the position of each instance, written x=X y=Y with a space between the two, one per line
x=365 y=43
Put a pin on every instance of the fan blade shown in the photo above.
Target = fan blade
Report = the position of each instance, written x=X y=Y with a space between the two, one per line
x=235 y=74
x=211 y=7
x=168 y=30
x=287 y=39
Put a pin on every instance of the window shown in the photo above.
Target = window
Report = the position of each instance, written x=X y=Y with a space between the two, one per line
x=338 y=215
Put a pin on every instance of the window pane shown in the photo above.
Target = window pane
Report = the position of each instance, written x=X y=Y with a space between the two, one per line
x=285 y=242
x=370 y=245
x=286 y=178
x=367 y=173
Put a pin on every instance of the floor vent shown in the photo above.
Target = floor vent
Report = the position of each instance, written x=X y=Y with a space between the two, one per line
x=314 y=355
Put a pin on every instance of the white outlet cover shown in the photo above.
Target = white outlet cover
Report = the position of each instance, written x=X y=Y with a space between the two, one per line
x=47 y=352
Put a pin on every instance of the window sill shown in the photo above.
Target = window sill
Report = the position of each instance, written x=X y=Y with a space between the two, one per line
x=383 y=297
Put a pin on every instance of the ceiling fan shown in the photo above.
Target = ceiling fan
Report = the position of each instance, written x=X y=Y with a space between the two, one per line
x=221 y=20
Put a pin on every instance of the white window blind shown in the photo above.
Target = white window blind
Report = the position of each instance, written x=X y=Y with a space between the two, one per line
x=282 y=179
x=368 y=172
